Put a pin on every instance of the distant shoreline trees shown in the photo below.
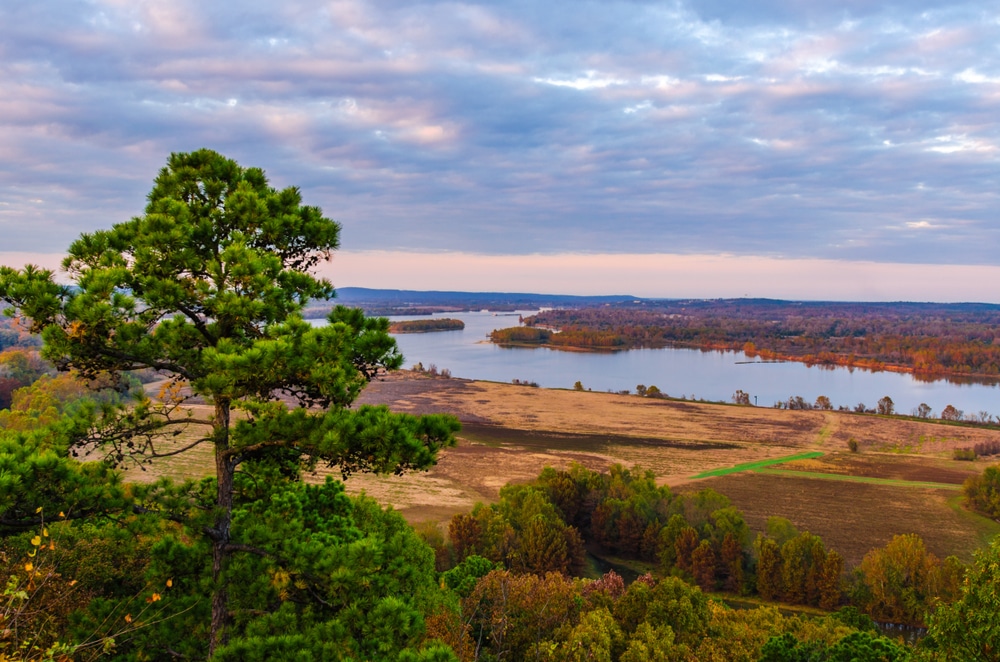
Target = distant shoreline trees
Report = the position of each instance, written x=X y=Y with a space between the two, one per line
x=927 y=341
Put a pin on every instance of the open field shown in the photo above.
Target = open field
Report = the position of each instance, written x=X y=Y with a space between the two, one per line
x=511 y=432
x=853 y=518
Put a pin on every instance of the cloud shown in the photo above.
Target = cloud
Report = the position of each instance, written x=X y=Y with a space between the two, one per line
x=783 y=129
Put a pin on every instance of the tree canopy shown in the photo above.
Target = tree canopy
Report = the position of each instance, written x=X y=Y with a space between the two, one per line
x=207 y=287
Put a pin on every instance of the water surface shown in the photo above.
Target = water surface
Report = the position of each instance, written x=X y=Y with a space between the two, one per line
x=689 y=373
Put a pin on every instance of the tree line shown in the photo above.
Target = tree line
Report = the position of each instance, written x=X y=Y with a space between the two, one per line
x=926 y=339
x=548 y=526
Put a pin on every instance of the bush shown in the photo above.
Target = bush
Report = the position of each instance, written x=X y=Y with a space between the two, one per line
x=966 y=454
x=852 y=444
x=986 y=448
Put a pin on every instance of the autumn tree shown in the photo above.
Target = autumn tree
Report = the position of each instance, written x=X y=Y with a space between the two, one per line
x=886 y=407
x=703 y=562
x=207 y=286
x=508 y=614
x=968 y=629
x=900 y=582
x=731 y=560
x=830 y=581
x=950 y=413
x=769 y=584
x=982 y=492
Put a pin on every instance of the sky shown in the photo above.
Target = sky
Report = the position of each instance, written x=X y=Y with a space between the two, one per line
x=782 y=148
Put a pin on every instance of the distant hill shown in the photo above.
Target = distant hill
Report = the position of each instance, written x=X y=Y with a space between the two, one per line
x=411 y=302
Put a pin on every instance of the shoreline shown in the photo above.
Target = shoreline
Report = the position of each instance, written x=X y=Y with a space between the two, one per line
x=868 y=366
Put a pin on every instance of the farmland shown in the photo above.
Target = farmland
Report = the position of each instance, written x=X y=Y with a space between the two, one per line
x=901 y=480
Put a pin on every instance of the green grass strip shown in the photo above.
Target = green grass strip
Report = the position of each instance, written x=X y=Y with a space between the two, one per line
x=858 y=479
x=751 y=466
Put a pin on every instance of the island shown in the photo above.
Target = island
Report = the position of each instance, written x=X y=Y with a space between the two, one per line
x=427 y=325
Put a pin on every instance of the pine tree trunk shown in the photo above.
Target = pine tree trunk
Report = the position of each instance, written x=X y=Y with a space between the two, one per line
x=224 y=469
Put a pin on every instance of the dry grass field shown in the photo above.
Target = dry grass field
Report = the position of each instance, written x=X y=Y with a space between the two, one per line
x=511 y=432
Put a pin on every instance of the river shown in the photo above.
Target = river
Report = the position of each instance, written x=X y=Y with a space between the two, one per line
x=688 y=373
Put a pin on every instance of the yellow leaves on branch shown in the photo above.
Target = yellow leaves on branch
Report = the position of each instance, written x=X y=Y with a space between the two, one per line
x=76 y=330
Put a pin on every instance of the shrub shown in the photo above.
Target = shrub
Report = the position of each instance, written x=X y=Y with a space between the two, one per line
x=966 y=454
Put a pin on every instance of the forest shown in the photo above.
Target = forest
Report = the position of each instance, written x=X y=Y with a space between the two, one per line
x=931 y=340
x=142 y=359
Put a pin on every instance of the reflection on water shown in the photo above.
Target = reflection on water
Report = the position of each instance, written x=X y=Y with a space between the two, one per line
x=693 y=374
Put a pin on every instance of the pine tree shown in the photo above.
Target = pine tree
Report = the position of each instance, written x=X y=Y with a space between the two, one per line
x=207 y=286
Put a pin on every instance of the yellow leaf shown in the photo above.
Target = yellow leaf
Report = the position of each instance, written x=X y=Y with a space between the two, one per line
x=128 y=618
x=36 y=541
x=28 y=567
x=45 y=533
x=73 y=583
x=154 y=598
x=38 y=510
x=62 y=514
x=170 y=582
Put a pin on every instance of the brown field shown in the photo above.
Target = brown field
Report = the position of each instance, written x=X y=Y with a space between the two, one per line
x=511 y=432
x=853 y=518
x=890 y=467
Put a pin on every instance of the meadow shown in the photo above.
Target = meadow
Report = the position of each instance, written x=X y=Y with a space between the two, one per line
x=795 y=464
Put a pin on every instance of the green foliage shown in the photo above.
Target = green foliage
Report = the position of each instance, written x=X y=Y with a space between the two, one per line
x=851 y=617
x=855 y=647
x=37 y=479
x=982 y=493
x=208 y=286
x=780 y=529
x=668 y=602
x=462 y=578
x=325 y=575
x=963 y=454
x=653 y=644
x=596 y=638
x=968 y=629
